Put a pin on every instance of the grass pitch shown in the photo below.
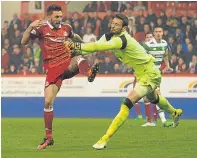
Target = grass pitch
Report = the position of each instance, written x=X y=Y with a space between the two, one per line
x=74 y=139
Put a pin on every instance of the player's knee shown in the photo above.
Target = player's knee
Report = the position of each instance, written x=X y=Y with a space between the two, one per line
x=155 y=100
x=128 y=103
x=48 y=102
x=146 y=100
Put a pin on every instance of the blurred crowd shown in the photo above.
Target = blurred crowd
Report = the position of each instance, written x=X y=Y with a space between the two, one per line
x=179 y=31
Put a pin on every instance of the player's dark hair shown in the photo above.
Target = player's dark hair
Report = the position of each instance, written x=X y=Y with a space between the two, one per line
x=158 y=27
x=53 y=7
x=123 y=18
x=148 y=33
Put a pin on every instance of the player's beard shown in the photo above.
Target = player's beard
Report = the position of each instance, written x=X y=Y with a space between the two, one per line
x=56 y=25
x=114 y=32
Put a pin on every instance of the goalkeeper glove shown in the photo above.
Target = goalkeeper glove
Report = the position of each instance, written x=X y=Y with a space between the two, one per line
x=73 y=45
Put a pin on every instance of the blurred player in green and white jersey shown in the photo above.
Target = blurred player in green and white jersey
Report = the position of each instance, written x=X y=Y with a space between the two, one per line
x=131 y=53
x=158 y=48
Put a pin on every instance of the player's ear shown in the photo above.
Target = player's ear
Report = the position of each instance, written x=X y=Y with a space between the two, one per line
x=124 y=28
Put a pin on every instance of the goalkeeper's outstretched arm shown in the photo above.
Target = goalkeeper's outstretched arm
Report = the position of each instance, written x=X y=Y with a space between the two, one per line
x=115 y=43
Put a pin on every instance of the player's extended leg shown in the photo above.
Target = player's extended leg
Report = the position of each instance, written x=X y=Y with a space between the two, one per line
x=137 y=105
x=162 y=114
x=148 y=113
x=134 y=96
x=80 y=65
x=50 y=94
x=163 y=103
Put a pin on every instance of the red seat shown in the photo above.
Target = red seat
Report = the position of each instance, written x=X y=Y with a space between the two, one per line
x=192 y=5
x=140 y=36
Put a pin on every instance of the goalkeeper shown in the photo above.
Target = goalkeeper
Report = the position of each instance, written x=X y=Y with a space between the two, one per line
x=129 y=52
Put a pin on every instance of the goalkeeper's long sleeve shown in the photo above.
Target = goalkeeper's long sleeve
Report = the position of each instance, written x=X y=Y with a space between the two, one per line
x=115 y=43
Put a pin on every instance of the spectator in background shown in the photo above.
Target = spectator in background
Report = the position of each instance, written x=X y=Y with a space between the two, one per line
x=6 y=25
x=128 y=7
x=173 y=62
x=77 y=28
x=163 y=16
x=140 y=26
x=94 y=17
x=15 y=24
x=118 y=6
x=75 y=17
x=151 y=17
x=90 y=7
x=26 y=22
x=190 y=53
x=185 y=45
x=189 y=32
x=89 y=36
x=107 y=66
x=16 y=57
x=100 y=6
x=4 y=58
x=130 y=15
x=194 y=28
x=29 y=54
x=183 y=24
x=139 y=6
x=27 y=62
x=36 y=51
x=159 y=23
x=98 y=30
x=181 y=66
x=131 y=26
x=24 y=70
x=12 y=70
x=17 y=38
x=4 y=35
x=146 y=29
x=165 y=34
x=192 y=65
x=7 y=46
x=172 y=44
x=33 y=71
x=141 y=14
x=195 y=42
x=179 y=36
x=3 y=71
x=84 y=21
x=179 y=53
x=117 y=69
x=106 y=21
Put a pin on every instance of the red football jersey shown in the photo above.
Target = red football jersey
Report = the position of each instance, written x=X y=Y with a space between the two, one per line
x=52 y=43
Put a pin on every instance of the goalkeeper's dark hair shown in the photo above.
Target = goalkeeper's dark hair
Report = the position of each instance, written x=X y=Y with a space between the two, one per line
x=123 y=18
x=53 y=7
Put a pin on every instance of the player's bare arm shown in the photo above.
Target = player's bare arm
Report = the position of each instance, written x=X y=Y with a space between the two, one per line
x=26 y=36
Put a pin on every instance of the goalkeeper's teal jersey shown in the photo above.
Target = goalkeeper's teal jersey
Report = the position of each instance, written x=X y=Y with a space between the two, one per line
x=125 y=48
x=157 y=50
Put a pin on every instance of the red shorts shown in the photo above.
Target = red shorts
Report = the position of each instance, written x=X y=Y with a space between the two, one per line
x=54 y=75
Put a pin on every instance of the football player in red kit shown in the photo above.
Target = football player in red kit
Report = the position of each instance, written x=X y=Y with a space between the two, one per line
x=57 y=61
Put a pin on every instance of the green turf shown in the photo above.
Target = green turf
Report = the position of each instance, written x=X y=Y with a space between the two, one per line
x=74 y=139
